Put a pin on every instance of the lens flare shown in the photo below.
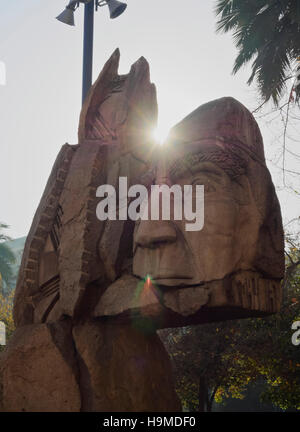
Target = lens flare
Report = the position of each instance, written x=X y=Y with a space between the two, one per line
x=139 y=320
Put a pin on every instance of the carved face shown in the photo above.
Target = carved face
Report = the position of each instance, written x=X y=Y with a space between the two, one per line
x=227 y=242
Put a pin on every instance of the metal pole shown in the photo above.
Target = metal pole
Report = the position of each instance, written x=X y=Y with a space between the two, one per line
x=88 y=39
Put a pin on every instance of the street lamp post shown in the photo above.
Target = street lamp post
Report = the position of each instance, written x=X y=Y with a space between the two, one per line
x=88 y=40
x=116 y=8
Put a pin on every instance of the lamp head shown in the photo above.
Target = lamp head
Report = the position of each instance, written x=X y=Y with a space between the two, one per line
x=67 y=16
x=116 y=8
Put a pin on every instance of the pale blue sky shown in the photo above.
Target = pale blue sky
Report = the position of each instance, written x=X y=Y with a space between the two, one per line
x=40 y=105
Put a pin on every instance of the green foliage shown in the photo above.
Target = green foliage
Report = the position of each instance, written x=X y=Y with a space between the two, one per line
x=7 y=258
x=206 y=359
x=268 y=33
x=6 y=316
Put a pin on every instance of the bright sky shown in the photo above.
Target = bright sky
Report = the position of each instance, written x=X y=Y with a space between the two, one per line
x=40 y=104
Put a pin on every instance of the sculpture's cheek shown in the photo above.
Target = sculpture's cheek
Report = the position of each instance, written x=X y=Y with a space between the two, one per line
x=221 y=215
x=194 y=256
x=215 y=248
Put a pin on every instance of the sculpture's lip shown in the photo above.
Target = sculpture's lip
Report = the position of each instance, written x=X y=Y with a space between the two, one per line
x=157 y=278
x=175 y=281
x=171 y=280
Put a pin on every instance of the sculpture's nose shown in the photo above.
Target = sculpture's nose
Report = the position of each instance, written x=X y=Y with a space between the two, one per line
x=151 y=234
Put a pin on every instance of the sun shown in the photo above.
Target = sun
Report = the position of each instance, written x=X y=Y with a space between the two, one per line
x=160 y=133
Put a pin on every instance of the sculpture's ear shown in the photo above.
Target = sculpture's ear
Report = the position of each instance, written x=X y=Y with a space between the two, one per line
x=120 y=108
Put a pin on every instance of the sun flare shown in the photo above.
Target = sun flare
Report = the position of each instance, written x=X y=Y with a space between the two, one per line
x=160 y=134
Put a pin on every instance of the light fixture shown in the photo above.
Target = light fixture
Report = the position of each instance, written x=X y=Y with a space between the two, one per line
x=67 y=16
x=116 y=8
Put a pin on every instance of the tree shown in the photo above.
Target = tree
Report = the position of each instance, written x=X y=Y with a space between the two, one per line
x=7 y=258
x=268 y=33
x=207 y=363
x=6 y=314
x=279 y=362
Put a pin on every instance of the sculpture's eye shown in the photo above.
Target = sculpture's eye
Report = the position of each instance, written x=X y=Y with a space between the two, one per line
x=209 y=187
x=209 y=184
